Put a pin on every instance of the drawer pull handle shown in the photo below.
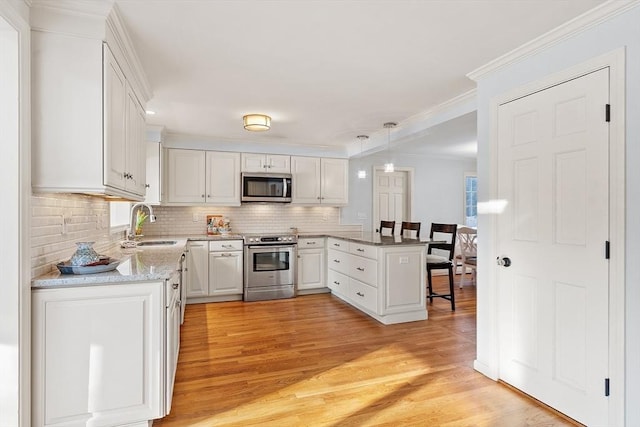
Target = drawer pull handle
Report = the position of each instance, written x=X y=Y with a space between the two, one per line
x=311 y=243
x=336 y=260
x=227 y=246
x=360 y=250
x=336 y=282
x=359 y=268
x=359 y=294
x=336 y=244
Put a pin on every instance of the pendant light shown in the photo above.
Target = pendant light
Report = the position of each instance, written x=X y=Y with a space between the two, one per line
x=362 y=174
x=388 y=167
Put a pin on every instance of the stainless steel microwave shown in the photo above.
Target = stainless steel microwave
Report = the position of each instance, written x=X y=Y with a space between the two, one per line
x=266 y=187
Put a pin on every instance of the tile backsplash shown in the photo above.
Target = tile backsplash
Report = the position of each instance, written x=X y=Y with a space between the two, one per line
x=60 y=220
x=248 y=218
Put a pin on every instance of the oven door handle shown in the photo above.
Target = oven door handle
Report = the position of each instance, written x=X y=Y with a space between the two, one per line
x=271 y=248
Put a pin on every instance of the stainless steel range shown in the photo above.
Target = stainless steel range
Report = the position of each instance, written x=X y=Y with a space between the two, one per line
x=269 y=266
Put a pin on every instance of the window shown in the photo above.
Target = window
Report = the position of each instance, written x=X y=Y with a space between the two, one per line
x=119 y=215
x=470 y=199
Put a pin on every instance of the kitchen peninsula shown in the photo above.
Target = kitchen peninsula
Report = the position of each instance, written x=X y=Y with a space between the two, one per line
x=382 y=276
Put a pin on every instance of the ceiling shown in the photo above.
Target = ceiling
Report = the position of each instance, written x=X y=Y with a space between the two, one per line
x=325 y=71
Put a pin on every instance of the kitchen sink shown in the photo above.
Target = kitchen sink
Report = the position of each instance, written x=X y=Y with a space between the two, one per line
x=157 y=243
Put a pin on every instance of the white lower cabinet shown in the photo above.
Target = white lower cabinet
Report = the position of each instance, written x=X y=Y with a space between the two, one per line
x=387 y=282
x=214 y=271
x=225 y=268
x=104 y=355
x=197 y=276
x=311 y=266
x=337 y=282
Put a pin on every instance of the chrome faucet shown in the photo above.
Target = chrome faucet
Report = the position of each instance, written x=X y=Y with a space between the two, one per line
x=152 y=218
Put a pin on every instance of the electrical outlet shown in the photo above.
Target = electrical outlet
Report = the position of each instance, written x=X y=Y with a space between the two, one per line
x=66 y=220
x=196 y=217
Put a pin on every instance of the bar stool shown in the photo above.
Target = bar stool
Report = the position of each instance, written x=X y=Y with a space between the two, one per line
x=442 y=262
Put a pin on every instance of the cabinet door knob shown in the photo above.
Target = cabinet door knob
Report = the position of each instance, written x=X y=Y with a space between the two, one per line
x=202 y=195
x=175 y=285
x=359 y=268
x=147 y=186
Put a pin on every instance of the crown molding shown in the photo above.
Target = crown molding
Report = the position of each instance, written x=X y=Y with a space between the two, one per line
x=455 y=102
x=579 y=24
x=121 y=35
x=99 y=8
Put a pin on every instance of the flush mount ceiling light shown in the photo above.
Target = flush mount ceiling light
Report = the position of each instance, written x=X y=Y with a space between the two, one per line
x=362 y=174
x=388 y=167
x=256 y=122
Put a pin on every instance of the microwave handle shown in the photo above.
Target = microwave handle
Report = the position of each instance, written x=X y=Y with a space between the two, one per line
x=284 y=188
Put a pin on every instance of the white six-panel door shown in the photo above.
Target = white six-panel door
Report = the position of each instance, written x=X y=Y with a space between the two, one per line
x=553 y=172
x=391 y=195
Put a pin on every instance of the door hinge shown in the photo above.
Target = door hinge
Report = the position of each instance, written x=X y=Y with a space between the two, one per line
x=607 y=113
x=606 y=386
x=607 y=250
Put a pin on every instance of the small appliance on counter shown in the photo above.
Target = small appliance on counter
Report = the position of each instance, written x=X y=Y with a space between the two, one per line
x=270 y=266
x=217 y=224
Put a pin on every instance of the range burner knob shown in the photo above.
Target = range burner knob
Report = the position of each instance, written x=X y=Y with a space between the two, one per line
x=279 y=238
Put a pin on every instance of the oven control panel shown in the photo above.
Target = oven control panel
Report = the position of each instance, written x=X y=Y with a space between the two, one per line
x=265 y=240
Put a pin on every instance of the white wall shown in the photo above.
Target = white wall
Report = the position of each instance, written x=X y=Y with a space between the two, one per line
x=620 y=31
x=438 y=188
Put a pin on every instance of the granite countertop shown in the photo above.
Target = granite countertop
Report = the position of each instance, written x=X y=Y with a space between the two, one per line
x=146 y=263
x=369 y=238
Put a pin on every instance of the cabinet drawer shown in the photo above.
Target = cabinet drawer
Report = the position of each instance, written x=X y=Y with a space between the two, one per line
x=338 y=261
x=310 y=243
x=225 y=245
x=363 y=269
x=367 y=251
x=363 y=295
x=337 y=244
x=338 y=282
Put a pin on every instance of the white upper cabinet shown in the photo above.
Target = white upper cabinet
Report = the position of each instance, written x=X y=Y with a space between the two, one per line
x=320 y=181
x=88 y=101
x=272 y=163
x=185 y=176
x=223 y=178
x=334 y=178
x=202 y=177
x=154 y=159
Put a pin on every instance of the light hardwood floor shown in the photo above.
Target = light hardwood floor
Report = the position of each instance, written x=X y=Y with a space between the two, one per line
x=315 y=361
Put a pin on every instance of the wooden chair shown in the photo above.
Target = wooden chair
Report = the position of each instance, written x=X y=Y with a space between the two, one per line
x=442 y=259
x=468 y=252
x=408 y=227
x=387 y=225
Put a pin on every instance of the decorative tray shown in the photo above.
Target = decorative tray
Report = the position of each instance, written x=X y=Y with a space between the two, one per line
x=105 y=264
